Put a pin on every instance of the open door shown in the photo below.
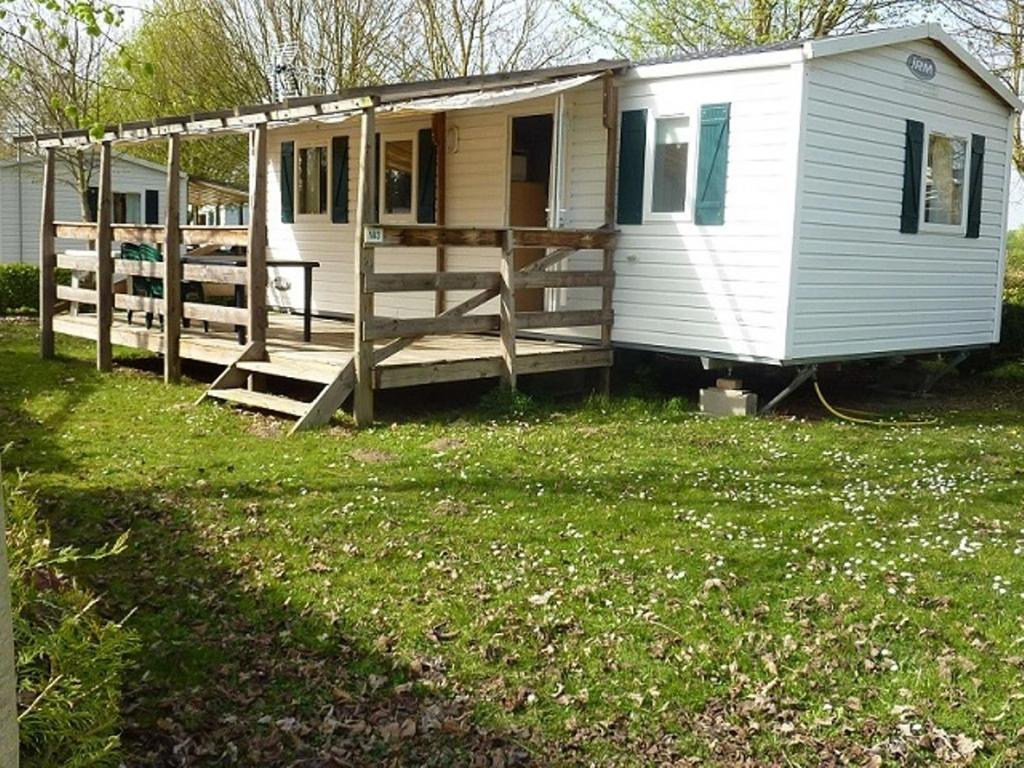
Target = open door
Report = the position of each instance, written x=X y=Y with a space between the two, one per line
x=529 y=187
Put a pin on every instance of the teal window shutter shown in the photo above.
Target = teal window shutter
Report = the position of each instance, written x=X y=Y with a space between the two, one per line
x=288 y=182
x=913 y=155
x=976 y=181
x=712 y=164
x=426 y=162
x=339 y=179
x=632 y=150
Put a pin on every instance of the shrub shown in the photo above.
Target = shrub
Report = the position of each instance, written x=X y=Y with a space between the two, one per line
x=71 y=662
x=19 y=289
x=1012 y=336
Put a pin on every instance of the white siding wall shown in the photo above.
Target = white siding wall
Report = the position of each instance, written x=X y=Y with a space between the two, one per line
x=477 y=192
x=127 y=177
x=716 y=290
x=860 y=286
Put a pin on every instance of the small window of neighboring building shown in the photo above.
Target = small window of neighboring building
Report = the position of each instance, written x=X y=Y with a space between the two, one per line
x=311 y=180
x=127 y=208
x=670 y=164
x=397 y=182
x=945 y=186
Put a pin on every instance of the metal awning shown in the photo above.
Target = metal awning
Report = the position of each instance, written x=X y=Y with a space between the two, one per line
x=460 y=93
x=206 y=192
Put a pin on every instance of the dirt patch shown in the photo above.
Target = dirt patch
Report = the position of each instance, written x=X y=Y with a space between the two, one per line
x=262 y=425
x=445 y=444
x=451 y=508
x=371 y=456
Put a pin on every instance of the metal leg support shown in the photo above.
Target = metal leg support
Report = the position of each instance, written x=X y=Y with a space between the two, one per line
x=935 y=376
x=802 y=375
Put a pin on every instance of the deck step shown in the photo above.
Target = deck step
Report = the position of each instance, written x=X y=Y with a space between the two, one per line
x=296 y=370
x=262 y=400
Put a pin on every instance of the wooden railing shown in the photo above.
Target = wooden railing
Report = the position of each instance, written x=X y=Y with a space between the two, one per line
x=172 y=236
x=500 y=284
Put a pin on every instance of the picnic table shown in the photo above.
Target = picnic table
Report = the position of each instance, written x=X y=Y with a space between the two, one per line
x=239 y=260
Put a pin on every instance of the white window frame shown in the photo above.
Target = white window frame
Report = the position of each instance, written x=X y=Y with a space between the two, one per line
x=954 y=131
x=385 y=139
x=690 y=196
x=325 y=145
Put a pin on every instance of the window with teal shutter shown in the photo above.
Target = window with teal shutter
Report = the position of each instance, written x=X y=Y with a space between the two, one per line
x=632 y=149
x=913 y=153
x=976 y=182
x=288 y=182
x=712 y=164
x=339 y=179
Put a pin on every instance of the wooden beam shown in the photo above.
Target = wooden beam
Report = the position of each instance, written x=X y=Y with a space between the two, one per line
x=215 y=273
x=440 y=131
x=214 y=313
x=425 y=235
x=139 y=303
x=580 y=239
x=362 y=401
x=571 y=279
x=153 y=269
x=256 y=259
x=80 y=295
x=196 y=234
x=389 y=282
x=563 y=319
x=611 y=168
x=414 y=327
x=104 y=263
x=172 y=264
x=47 y=261
x=507 y=312
x=82 y=261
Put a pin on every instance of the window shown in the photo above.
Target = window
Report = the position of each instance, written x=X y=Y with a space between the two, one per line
x=671 y=162
x=127 y=208
x=945 y=180
x=398 y=177
x=312 y=180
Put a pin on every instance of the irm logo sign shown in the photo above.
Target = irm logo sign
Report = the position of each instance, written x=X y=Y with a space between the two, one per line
x=922 y=67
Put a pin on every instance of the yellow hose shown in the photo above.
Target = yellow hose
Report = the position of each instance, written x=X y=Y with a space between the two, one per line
x=869 y=422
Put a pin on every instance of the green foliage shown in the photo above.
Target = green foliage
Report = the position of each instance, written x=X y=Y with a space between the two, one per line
x=19 y=289
x=502 y=403
x=71 y=662
x=1011 y=341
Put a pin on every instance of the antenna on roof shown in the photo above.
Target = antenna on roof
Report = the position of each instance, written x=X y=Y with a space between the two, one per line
x=289 y=77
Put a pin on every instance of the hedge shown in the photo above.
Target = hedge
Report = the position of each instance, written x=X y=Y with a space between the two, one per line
x=19 y=289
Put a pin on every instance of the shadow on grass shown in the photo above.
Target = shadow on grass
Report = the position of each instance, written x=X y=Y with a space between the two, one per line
x=234 y=673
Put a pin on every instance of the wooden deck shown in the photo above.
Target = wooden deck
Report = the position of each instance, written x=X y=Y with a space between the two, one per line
x=431 y=359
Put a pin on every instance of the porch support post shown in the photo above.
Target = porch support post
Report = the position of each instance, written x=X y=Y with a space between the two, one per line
x=47 y=261
x=104 y=264
x=172 y=264
x=363 y=258
x=507 y=310
x=611 y=124
x=256 y=250
x=440 y=131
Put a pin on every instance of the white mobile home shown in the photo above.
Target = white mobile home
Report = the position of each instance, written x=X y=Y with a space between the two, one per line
x=139 y=189
x=809 y=201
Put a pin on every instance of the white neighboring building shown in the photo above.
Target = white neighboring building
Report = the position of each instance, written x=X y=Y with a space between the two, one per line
x=139 y=192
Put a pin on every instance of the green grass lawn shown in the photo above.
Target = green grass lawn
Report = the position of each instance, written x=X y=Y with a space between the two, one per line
x=592 y=583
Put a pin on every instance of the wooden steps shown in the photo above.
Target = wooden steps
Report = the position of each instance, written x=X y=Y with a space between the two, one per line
x=264 y=401
x=244 y=382
x=296 y=370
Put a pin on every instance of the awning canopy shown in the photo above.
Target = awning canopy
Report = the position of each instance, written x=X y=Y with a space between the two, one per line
x=204 y=192
x=428 y=96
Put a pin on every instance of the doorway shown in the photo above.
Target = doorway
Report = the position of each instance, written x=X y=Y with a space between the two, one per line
x=529 y=190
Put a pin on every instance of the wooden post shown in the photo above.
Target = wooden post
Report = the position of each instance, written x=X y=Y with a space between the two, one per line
x=507 y=311
x=363 y=258
x=47 y=261
x=104 y=264
x=611 y=124
x=172 y=264
x=440 y=131
x=256 y=255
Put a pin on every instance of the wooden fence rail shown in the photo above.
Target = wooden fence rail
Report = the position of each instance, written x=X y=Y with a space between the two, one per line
x=501 y=285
